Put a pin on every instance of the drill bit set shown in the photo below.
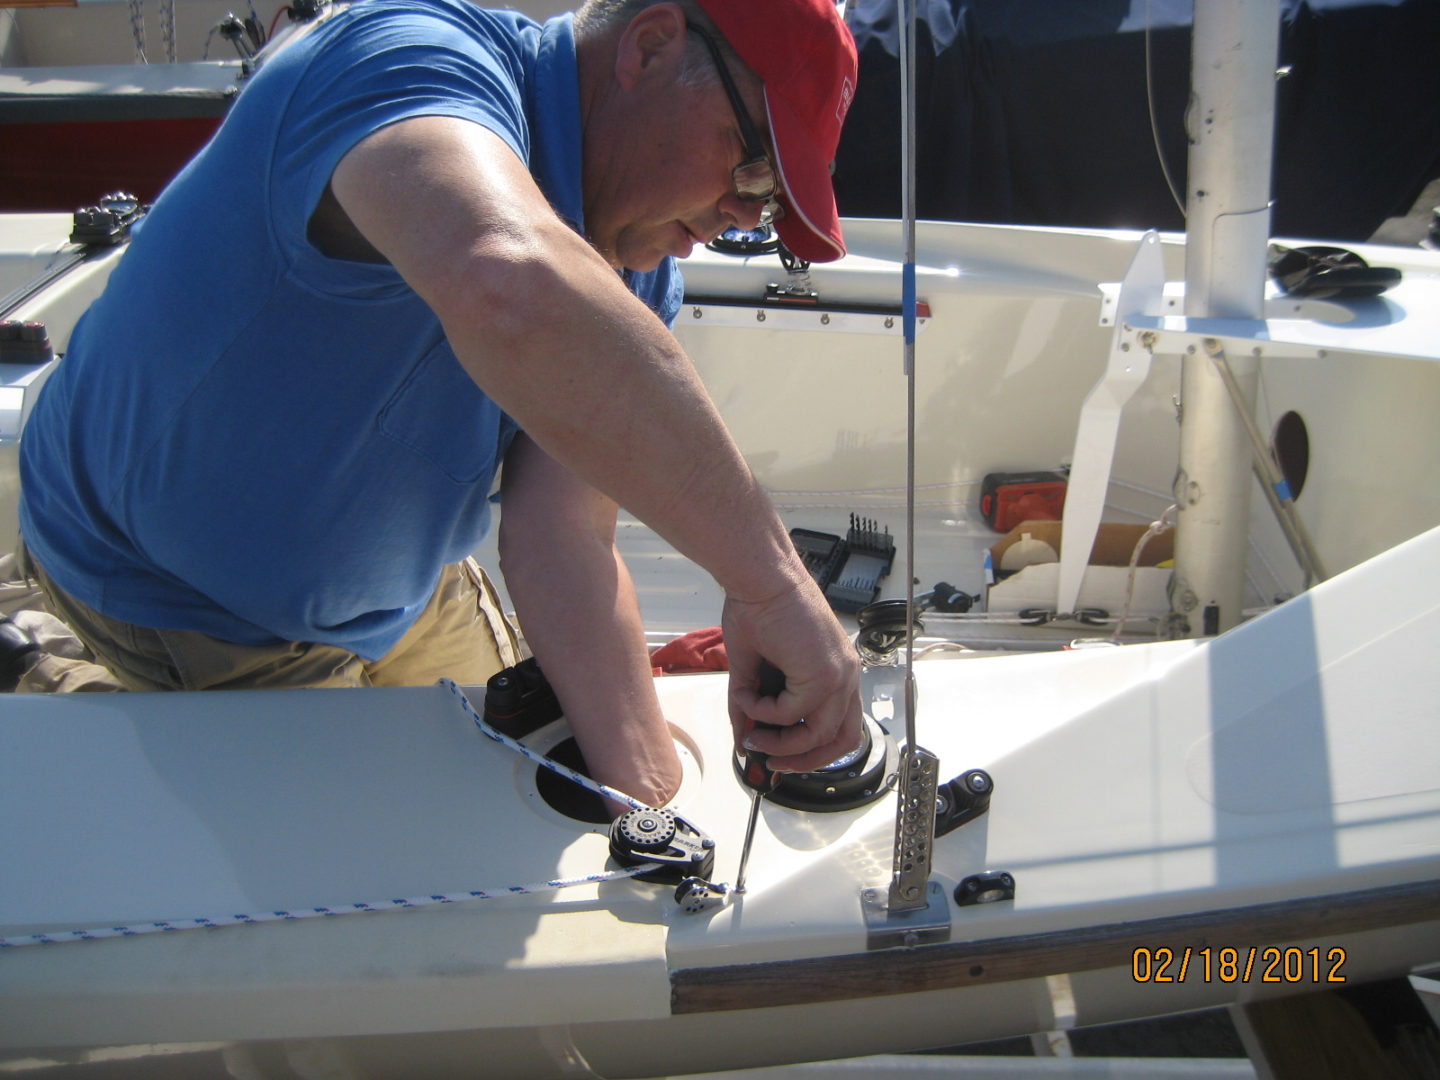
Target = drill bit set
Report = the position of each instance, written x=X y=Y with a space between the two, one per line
x=848 y=570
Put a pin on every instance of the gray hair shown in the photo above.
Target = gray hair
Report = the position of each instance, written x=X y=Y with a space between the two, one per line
x=596 y=18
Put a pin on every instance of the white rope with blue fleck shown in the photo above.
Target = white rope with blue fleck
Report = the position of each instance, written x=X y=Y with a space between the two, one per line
x=540 y=759
x=215 y=922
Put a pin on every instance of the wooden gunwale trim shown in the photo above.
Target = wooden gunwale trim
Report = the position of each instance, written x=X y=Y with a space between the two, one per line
x=1030 y=956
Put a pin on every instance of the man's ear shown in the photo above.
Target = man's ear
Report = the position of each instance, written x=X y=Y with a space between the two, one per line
x=653 y=40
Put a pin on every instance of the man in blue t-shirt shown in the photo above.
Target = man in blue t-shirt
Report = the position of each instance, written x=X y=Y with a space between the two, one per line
x=430 y=239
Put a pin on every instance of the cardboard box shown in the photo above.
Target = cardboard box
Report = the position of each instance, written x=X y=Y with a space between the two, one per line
x=1032 y=550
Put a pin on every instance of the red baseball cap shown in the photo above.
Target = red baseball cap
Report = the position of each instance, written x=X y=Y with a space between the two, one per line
x=805 y=56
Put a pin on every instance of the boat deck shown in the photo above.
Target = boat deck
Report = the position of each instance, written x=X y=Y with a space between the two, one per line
x=951 y=544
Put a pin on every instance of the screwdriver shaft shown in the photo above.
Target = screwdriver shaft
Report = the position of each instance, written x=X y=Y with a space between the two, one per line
x=749 y=839
x=758 y=776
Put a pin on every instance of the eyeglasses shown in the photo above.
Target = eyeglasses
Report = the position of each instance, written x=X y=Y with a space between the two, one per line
x=754 y=177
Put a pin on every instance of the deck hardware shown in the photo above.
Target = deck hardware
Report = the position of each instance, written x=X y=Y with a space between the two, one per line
x=696 y=895
x=663 y=837
x=987 y=888
x=26 y=343
x=914 y=829
x=795 y=293
x=882 y=631
x=761 y=240
x=519 y=700
x=882 y=623
x=92 y=236
x=732 y=313
x=1090 y=616
x=962 y=800
x=946 y=598
x=109 y=221
x=797 y=289
x=887 y=928
x=857 y=779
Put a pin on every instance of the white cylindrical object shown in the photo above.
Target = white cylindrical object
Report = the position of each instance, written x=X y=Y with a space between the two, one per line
x=1231 y=125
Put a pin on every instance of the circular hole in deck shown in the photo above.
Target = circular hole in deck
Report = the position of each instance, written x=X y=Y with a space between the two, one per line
x=1291 y=446
x=563 y=794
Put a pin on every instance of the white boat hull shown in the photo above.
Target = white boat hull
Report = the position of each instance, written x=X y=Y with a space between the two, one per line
x=1271 y=789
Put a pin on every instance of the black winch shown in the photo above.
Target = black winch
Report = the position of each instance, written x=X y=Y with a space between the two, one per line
x=857 y=779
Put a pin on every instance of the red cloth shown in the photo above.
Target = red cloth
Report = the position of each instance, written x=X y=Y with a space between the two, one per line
x=699 y=650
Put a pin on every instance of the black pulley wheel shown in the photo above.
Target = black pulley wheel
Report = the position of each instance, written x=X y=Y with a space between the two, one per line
x=646 y=830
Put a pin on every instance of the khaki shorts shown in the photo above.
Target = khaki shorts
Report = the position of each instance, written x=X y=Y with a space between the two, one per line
x=462 y=634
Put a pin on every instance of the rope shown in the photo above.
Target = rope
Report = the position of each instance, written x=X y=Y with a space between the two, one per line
x=538 y=758
x=1163 y=524
x=216 y=922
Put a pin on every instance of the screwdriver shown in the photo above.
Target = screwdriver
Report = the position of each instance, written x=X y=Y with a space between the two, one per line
x=757 y=774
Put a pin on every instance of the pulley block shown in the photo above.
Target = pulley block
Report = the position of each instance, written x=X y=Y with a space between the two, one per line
x=696 y=895
x=665 y=838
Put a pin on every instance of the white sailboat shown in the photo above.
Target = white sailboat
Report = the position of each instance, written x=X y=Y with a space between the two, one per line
x=1168 y=823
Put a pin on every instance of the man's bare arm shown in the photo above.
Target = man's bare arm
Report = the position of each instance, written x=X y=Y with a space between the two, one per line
x=579 y=614
x=546 y=327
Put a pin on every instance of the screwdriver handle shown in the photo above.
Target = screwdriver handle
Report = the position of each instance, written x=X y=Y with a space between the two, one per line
x=757 y=771
x=772 y=680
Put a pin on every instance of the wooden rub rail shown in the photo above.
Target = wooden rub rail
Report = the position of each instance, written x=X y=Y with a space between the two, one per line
x=1032 y=956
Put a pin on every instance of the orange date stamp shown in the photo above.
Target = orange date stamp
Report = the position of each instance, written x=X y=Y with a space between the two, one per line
x=1246 y=964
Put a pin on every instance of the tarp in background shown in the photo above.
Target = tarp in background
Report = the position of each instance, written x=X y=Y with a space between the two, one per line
x=1034 y=112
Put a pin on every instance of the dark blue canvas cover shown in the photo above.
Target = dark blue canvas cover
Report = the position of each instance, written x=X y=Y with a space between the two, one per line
x=1035 y=112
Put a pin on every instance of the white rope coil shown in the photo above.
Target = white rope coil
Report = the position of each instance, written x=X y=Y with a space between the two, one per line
x=216 y=922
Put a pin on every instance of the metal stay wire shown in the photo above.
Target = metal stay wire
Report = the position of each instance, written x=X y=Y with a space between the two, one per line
x=215 y=922
x=908 y=312
x=910 y=884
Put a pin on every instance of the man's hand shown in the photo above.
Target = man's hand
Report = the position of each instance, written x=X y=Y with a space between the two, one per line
x=818 y=712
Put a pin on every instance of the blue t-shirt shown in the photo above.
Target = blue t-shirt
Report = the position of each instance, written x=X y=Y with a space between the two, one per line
x=252 y=440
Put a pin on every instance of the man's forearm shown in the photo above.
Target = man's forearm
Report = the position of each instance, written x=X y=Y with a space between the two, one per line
x=578 y=611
